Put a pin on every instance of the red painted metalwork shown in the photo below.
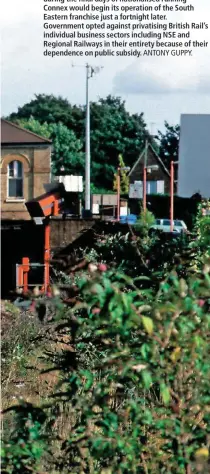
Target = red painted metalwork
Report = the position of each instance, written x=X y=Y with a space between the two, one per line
x=47 y=256
x=22 y=274
x=45 y=206
x=118 y=194
x=25 y=265
x=144 y=189
x=172 y=198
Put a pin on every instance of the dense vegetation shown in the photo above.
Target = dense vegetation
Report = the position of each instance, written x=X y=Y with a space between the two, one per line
x=114 y=132
x=131 y=388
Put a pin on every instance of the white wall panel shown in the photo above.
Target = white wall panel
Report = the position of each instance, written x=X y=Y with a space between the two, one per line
x=194 y=156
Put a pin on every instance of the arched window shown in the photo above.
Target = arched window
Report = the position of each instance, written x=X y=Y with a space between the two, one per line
x=15 y=179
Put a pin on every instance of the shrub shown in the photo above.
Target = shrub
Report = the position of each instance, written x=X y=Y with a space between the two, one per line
x=134 y=378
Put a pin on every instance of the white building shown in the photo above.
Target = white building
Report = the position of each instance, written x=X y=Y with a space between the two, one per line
x=194 y=156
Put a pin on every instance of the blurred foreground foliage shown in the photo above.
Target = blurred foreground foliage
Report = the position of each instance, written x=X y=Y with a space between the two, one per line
x=133 y=390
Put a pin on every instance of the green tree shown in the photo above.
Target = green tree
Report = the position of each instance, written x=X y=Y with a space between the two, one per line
x=169 y=144
x=66 y=147
x=35 y=126
x=124 y=179
x=50 y=109
x=67 y=150
x=114 y=130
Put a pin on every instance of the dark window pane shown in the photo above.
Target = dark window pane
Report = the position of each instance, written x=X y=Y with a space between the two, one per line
x=153 y=187
x=11 y=168
x=12 y=187
x=19 y=169
x=166 y=222
x=19 y=188
x=15 y=187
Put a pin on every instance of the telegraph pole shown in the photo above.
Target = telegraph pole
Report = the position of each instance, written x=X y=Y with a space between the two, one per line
x=90 y=71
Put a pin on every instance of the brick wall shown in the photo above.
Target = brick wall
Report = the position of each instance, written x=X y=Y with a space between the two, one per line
x=36 y=166
x=64 y=232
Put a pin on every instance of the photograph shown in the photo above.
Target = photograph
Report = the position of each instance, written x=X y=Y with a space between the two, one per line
x=105 y=237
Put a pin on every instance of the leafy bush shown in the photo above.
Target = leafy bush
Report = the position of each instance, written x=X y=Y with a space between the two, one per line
x=134 y=377
x=22 y=453
x=145 y=221
x=142 y=404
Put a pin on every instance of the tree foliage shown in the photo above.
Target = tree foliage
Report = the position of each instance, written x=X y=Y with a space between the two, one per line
x=114 y=130
x=50 y=109
x=67 y=148
x=124 y=179
x=133 y=376
x=169 y=144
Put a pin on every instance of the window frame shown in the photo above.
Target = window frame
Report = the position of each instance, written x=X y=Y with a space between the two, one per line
x=15 y=177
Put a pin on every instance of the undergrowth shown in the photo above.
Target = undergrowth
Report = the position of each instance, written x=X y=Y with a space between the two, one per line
x=132 y=387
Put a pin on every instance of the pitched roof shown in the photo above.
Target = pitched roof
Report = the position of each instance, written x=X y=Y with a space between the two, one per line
x=13 y=134
x=157 y=158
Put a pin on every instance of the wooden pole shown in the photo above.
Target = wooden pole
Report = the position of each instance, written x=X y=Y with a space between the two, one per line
x=145 y=189
x=118 y=194
x=145 y=178
x=172 y=198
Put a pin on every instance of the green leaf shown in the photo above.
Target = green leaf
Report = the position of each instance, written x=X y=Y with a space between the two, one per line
x=147 y=379
x=145 y=350
x=89 y=379
x=148 y=324
x=165 y=393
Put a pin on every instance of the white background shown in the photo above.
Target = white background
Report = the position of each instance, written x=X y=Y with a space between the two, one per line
x=162 y=88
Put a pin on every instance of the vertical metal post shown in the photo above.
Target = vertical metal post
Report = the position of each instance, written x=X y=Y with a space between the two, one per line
x=172 y=198
x=118 y=194
x=19 y=276
x=46 y=255
x=145 y=178
x=90 y=71
x=25 y=282
x=26 y=268
x=87 y=144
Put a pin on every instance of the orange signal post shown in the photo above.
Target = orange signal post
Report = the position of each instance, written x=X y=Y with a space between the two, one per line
x=149 y=169
x=44 y=207
x=144 y=189
x=118 y=194
x=55 y=203
x=46 y=255
x=22 y=276
x=25 y=265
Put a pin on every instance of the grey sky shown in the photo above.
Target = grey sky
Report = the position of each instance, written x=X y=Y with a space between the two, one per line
x=162 y=88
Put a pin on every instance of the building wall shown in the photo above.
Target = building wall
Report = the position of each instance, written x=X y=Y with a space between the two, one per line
x=155 y=175
x=64 y=232
x=194 y=156
x=36 y=166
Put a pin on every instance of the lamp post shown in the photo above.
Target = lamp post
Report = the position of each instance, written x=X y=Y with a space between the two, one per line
x=144 y=189
x=149 y=169
x=172 y=195
x=89 y=74
x=145 y=177
x=90 y=71
x=119 y=169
